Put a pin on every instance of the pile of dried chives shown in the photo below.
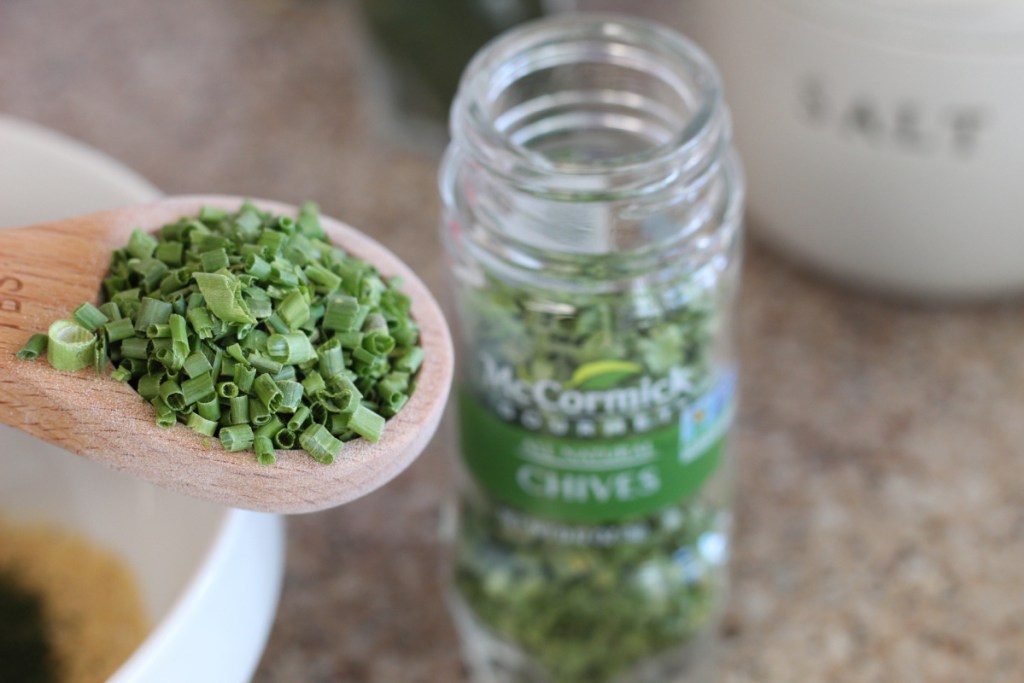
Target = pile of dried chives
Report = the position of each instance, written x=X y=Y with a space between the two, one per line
x=249 y=327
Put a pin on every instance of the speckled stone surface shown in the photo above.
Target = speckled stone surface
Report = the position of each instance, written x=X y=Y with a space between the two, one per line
x=881 y=518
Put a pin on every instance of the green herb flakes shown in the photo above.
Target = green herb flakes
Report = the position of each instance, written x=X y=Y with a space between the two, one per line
x=250 y=328
x=593 y=425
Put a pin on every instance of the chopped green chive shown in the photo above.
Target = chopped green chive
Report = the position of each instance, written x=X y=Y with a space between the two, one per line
x=259 y=414
x=292 y=348
x=367 y=424
x=250 y=328
x=291 y=395
x=170 y=253
x=344 y=314
x=200 y=320
x=199 y=424
x=165 y=415
x=172 y=395
x=223 y=297
x=227 y=390
x=300 y=418
x=238 y=437
x=122 y=374
x=71 y=347
x=238 y=410
x=197 y=364
x=285 y=439
x=149 y=386
x=320 y=443
x=32 y=349
x=214 y=260
x=152 y=311
x=199 y=388
x=141 y=245
x=264 y=448
x=89 y=317
x=293 y=310
x=267 y=392
x=244 y=377
x=158 y=331
x=410 y=360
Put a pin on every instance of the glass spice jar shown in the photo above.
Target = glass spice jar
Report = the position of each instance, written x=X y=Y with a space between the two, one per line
x=592 y=223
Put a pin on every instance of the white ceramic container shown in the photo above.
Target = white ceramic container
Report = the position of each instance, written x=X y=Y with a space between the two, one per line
x=210 y=576
x=882 y=138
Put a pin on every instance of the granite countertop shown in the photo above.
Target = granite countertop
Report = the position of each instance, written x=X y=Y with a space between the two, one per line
x=881 y=487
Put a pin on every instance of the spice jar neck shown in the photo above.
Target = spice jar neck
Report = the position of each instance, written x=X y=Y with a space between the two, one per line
x=590 y=136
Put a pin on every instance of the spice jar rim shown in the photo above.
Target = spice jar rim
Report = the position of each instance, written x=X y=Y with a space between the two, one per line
x=693 y=149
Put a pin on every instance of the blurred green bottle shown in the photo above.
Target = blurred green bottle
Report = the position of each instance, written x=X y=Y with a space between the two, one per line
x=418 y=50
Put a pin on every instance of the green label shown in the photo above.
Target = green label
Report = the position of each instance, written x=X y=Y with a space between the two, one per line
x=595 y=480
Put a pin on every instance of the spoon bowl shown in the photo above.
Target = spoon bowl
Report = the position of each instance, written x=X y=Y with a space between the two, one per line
x=46 y=270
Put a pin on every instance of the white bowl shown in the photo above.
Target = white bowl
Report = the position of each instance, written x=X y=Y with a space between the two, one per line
x=210 y=576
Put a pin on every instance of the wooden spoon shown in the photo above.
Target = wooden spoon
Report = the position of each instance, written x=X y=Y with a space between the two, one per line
x=46 y=270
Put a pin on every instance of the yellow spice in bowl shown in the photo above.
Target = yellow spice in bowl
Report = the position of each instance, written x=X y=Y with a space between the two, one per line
x=93 y=617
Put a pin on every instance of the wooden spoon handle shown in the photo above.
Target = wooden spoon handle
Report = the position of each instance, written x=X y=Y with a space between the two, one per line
x=46 y=271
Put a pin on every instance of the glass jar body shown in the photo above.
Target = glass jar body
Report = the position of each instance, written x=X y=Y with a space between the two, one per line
x=593 y=304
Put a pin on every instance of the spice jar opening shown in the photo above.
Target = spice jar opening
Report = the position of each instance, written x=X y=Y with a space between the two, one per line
x=592 y=103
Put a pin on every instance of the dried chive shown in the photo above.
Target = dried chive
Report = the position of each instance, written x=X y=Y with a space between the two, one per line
x=122 y=374
x=267 y=392
x=172 y=395
x=313 y=383
x=148 y=386
x=264 y=449
x=367 y=423
x=326 y=281
x=118 y=330
x=344 y=314
x=332 y=361
x=111 y=310
x=234 y=322
x=179 y=338
x=266 y=364
x=237 y=437
x=170 y=253
x=210 y=408
x=89 y=317
x=410 y=360
x=152 y=311
x=199 y=424
x=214 y=260
x=292 y=348
x=285 y=439
x=165 y=415
x=70 y=347
x=136 y=347
x=141 y=245
x=300 y=418
x=200 y=320
x=223 y=298
x=244 y=376
x=291 y=395
x=320 y=443
x=238 y=410
x=293 y=310
x=199 y=388
x=33 y=348
x=158 y=331
x=196 y=364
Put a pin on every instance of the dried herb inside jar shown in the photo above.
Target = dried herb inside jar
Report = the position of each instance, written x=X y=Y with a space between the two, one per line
x=592 y=424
